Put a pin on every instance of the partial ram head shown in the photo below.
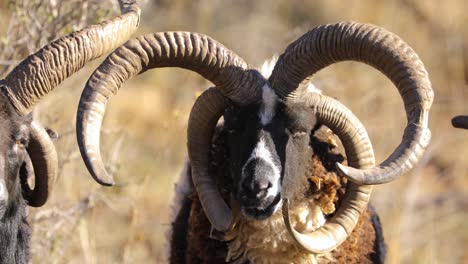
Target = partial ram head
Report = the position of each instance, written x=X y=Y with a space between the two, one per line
x=272 y=120
x=24 y=144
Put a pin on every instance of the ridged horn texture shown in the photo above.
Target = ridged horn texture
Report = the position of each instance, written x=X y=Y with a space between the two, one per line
x=191 y=51
x=460 y=122
x=44 y=160
x=42 y=71
x=359 y=153
x=386 y=52
x=205 y=113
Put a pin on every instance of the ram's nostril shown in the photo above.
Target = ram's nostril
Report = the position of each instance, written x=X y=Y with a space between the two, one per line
x=256 y=187
x=263 y=185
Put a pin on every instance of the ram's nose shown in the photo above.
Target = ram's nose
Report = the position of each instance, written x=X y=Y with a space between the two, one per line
x=257 y=188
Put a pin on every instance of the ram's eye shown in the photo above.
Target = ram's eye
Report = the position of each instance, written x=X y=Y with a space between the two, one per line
x=21 y=142
x=299 y=134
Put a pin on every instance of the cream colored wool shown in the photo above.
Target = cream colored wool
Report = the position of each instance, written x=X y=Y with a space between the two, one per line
x=268 y=241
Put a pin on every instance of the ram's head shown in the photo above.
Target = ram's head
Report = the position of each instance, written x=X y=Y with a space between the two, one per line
x=270 y=119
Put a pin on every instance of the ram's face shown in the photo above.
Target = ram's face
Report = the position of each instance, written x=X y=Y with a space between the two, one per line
x=14 y=134
x=264 y=142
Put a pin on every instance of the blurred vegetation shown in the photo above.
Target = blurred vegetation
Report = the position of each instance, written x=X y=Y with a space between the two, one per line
x=32 y=24
x=423 y=214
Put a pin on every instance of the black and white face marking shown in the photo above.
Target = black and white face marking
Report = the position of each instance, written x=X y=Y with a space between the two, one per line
x=258 y=137
x=267 y=142
x=260 y=180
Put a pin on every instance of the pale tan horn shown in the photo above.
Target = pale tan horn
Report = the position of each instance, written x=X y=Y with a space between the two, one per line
x=383 y=50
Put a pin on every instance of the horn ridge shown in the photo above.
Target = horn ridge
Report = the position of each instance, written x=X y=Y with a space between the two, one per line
x=42 y=71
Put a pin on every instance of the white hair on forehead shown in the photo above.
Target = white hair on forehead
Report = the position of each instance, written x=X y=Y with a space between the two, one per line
x=268 y=107
x=269 y=98
x=267 y=67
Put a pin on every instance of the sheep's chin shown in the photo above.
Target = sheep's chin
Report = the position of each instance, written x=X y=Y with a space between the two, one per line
x=259 y=213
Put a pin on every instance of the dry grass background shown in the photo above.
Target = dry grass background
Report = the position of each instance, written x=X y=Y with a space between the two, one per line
x=423 y=214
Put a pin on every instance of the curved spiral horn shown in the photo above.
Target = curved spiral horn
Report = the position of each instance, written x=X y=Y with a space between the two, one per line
x=383 y=50
x=44 y=161
x=205 y=113
x=191 y=51
x=42 y=71
x=359 y=153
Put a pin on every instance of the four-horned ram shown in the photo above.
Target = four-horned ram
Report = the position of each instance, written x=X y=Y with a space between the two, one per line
x=265 y=155
x=25 y=147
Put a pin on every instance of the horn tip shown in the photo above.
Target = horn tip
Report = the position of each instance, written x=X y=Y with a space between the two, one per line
x=221 y=227
x=107 y=181
x=350 y=173
x=285 y=211
x=460 y=122
x=344 y=170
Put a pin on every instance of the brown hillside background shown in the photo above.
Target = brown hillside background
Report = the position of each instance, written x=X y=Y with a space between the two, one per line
x=424 y=214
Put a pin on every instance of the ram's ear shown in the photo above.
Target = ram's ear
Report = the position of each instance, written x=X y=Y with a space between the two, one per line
x=298 y=152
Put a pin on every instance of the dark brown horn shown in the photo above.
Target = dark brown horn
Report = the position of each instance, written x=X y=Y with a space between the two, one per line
x=205 y=113
x=383 y=50
x=460 y=122
x=191 y=51
x=44 y=160
x=42 y=71
x=359 y=153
